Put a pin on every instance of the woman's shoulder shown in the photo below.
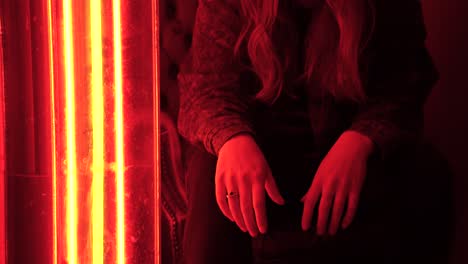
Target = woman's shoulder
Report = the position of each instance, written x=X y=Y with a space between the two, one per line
x=216 y=32
x=226 y=10
x=220 y=17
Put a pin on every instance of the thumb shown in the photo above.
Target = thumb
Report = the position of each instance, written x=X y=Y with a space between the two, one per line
x=272 y=190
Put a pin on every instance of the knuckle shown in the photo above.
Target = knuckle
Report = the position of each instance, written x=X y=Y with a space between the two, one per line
x=258 y=204
x=353 y=194
x=260 y=169
x=331 y=184
x=244 y=179
x=256 y=172
x=220 y=174
x=327 y=196
x=245 y=206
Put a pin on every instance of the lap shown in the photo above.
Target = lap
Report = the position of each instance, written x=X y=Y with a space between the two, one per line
x=379 y=226
x=376 y=229
x=397 y=219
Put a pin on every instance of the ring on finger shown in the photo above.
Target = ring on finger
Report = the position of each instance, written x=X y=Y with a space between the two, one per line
x=232 y=195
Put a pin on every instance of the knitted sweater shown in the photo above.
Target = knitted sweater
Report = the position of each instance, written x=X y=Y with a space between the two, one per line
x=216 y=101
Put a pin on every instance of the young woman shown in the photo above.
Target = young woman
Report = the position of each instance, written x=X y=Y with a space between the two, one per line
x=305 y=102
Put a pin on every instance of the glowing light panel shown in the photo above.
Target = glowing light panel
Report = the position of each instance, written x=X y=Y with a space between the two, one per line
x=84 y=231
x=156 y=89
x=70 y=132
x=97 y=112
x=119 y=137
x=53 y=138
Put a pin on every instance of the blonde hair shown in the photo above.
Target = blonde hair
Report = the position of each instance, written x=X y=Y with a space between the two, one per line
x=338 y=37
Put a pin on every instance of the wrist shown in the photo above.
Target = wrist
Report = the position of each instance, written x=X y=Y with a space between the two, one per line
x=362 y=142
x=240 y=138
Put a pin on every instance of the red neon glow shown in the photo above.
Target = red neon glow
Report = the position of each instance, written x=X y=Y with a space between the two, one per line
x=71 y=210
x=156 y=89
x=97 y=97
x=119 y=137
x=53 y=139
x=2 y=163
x=84 y=227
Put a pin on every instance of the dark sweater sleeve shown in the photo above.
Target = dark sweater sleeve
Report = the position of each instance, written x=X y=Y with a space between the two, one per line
x=213 y=107
x=401 y=75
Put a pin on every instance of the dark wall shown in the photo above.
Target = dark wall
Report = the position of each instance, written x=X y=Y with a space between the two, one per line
x=447 y=107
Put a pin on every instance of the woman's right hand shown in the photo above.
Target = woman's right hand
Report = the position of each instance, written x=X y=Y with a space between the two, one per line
x=243 y=171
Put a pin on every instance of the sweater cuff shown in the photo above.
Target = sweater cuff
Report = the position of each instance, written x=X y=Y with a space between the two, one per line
x=385 y=136
x=217 y=138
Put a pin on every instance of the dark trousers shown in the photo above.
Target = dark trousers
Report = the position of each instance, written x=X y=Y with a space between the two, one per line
x=378 y=234
x=209 y=236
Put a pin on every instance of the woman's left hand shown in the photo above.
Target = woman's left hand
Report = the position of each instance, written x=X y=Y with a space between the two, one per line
x=337 y=182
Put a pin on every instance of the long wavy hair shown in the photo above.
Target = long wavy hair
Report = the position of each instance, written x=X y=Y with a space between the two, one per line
x=339 y=33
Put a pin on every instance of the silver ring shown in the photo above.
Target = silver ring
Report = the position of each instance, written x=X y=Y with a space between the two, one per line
x=231 y=195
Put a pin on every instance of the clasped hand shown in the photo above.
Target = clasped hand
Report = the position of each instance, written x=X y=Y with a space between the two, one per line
x=242 y=170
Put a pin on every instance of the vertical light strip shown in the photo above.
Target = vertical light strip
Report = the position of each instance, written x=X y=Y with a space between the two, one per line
x=156 y=89
x=97 y=112
x=3 y=231
x=119 y=136
x=71 y=205
x=52 y=128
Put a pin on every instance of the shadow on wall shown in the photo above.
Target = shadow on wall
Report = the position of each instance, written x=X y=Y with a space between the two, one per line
x=446 y=109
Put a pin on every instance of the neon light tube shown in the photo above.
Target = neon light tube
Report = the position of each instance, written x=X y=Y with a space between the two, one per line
x=70 y=133
x=52 y=124
x=156 y=89
x=97 y=214
x=119 y=136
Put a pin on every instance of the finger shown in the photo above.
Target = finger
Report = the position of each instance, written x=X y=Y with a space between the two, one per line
x=338 y=206
x=248 y=211
x=324 y=210
x=272 y=190
x=353 y=201
x=258 y=195
x=234 y=206
x=222 y=201
x=236 y=212
x=310 y=200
